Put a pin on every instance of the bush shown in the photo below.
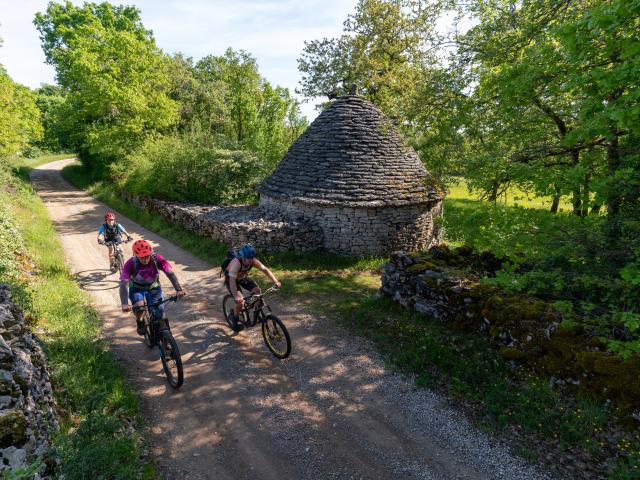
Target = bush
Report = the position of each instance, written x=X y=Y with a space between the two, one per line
x=190 y=167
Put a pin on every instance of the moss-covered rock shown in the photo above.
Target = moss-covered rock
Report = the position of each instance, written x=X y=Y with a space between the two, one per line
x=13 y=429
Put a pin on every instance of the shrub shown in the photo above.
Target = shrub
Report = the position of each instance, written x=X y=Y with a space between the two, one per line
x=190 y=167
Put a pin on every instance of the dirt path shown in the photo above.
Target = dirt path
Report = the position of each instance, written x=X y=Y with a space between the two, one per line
x=331 y=411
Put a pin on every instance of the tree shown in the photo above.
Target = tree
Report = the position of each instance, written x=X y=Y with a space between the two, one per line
x=50 y=99
x=19 y=116
x=521 y=71
x=116 y=79
x=384 y=51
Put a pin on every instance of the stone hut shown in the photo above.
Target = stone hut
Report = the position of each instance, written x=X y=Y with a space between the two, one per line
x=352 y=174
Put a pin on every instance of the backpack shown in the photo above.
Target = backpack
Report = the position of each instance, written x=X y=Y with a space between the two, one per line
x=231 y=254
x=111 y=233
x=135 y=268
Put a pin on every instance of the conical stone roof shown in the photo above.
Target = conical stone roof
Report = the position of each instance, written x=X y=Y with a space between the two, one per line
x=351 y=155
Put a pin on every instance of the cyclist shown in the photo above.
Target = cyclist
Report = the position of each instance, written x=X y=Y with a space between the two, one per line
x=111 y=231
x=141 y=273
x=237 y=277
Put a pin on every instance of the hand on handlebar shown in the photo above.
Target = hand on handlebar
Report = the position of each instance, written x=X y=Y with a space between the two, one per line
x=100 y=241
x=126 y=307
x=180 y=293
x=277 y=285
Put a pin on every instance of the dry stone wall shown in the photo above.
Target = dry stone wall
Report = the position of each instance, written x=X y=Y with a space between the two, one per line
x=27 y=408
x=235 y=225
x=443 y=284
x=364 y=231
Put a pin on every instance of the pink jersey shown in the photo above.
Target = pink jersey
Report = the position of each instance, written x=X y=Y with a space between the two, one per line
x=147 y=274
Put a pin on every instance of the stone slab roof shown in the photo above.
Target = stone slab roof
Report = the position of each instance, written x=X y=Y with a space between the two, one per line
x=352 y=155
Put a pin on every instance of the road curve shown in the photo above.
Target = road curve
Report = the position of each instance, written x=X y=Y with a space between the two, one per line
x=330 y=411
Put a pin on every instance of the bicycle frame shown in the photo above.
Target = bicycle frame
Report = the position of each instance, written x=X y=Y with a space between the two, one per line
x=257 y=303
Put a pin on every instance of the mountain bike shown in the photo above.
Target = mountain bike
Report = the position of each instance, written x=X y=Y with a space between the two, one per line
x=157 y=332
x=118 y=257
x=274 y=333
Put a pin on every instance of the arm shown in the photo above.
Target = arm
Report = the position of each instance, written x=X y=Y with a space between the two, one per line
x=124 y=295
x=165 y=266
x=123 y=230
x=233 y=268
x=174 y=281
x=125 y=277
x=267 y=272
x=101 y=233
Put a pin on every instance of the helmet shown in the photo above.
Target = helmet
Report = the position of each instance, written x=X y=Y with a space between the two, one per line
x=247 y=251
x=110 y=216
x=141 y=248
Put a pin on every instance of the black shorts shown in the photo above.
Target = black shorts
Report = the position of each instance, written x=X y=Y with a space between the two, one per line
x=246 y=283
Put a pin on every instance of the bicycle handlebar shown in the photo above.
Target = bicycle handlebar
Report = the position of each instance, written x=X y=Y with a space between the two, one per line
x=115 y=242
x=173 y=298
x=258 y=295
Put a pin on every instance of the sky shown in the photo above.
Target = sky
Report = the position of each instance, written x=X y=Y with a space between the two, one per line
x=273 y=31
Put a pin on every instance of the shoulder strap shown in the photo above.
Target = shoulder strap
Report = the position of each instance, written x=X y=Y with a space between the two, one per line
x=135 y=266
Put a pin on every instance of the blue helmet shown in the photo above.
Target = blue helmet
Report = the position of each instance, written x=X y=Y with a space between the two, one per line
x=247 y=251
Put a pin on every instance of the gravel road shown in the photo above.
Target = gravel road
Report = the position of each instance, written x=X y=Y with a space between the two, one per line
x=330 y=411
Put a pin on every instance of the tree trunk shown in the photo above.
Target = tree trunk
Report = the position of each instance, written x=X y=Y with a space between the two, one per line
x=577 y=196
x=585 y=195
x=556 y=200
x=613 y=192
x=493 y=192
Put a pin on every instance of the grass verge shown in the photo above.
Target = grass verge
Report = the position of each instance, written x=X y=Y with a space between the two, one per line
x=97 y=407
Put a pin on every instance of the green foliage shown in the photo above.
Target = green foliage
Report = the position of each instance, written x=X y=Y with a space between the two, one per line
x=226 y=98
x=101 y=444
x=22 y=473
x=50 y=99
x=381 y=52
x=116 y=80
x=190 y=167
x=19 y=117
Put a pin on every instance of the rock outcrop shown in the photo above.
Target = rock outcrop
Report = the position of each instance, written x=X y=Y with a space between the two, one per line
x=27 y=407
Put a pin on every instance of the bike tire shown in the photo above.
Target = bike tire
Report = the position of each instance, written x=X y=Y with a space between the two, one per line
x=276 y=336
x=171 y=359
x=119 y=262
x=149 y=341
x=228 y=303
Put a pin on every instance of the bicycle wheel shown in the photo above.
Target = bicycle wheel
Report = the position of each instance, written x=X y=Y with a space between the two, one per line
x=149 y=341
x=119 y=261
x=228 y=304
x=171 y=359
x=276 y=336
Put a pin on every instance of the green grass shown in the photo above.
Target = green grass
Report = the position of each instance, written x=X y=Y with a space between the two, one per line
x=504 y=397
x=95 y=402
x=459 y=190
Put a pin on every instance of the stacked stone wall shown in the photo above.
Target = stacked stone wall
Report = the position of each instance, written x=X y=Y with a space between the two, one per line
x=364 y=230
x=444 y=285
x=235 y=225
x=27 y=408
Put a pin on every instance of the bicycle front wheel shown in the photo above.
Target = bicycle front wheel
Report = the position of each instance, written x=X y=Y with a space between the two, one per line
x=119 y=261
x=276 y=336
x=149 y=339
x=228 y=304
x=171 y=359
